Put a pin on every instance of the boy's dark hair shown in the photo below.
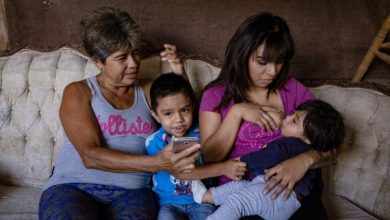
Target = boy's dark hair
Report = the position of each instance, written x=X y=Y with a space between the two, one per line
x=170 y=84
x=279 y=47
x=323 y=125
x=108 y=30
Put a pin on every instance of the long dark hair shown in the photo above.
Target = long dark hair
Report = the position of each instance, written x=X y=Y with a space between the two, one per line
x=254 y=31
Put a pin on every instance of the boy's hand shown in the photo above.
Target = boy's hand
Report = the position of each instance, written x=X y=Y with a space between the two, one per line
x=234 y=169
x=170 y=55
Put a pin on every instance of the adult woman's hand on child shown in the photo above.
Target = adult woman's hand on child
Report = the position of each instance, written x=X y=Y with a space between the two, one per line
x=234 y=169
x=286 y=174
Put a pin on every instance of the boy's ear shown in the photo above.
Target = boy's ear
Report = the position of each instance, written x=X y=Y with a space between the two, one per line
x=155 y=116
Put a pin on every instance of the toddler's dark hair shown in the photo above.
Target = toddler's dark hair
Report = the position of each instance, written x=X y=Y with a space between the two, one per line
x=323 y=125
x=170 y=84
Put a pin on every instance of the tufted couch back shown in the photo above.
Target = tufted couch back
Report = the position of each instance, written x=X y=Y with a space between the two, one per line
x=31 y=135
x=361 y=173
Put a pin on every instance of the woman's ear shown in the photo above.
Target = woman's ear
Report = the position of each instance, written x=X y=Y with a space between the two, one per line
x=98 y=63
x=155 y=116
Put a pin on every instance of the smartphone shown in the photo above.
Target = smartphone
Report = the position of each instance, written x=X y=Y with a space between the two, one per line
x=182 y=143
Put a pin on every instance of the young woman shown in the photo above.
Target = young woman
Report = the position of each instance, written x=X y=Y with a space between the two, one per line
x=242 y=109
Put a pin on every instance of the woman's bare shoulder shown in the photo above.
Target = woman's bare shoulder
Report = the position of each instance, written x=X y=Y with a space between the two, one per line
x=146 y=84
x=78 y=89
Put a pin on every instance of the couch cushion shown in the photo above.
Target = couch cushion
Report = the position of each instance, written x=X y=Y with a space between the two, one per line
x=19 y=202
x=31 y=90
x=199 y=72
x=339 y=208
x=361 y=173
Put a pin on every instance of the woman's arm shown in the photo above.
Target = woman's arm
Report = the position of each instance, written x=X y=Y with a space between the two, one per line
x=81 y=126
x=217 y=136
x=290 y=171
x=169 y=54
x=287 y=173
x=234 y=169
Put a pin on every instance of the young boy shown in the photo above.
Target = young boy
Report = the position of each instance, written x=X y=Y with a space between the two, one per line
x=173 y=105
x=314 y=125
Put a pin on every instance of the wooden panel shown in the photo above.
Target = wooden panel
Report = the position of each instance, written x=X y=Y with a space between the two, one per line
x=3 y=28
x=331 y=36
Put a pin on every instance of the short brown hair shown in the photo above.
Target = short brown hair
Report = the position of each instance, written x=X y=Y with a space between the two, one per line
x=108 y=30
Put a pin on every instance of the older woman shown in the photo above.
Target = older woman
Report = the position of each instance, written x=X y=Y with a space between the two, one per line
x=102 y=170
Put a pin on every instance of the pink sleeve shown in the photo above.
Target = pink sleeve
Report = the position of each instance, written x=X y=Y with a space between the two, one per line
x=211 y=99
x=293 y=94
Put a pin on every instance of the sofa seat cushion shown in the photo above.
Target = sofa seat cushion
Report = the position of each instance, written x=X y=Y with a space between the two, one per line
x=19 y=202
x=339 y=208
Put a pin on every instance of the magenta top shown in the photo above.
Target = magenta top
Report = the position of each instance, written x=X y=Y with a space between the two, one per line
x=250 y=136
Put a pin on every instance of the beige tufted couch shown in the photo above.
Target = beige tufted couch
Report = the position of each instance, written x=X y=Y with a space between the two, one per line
x=30 y=133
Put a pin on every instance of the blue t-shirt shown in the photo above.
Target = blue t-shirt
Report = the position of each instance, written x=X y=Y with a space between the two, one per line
x=169 y=189
x=276 y=152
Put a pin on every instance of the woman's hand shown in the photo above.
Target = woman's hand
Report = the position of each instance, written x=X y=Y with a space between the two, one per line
x=234 y=169
x=170 y=55
x=254 y=113
x=276 y=114
x=286 y=174
x=182 y=162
